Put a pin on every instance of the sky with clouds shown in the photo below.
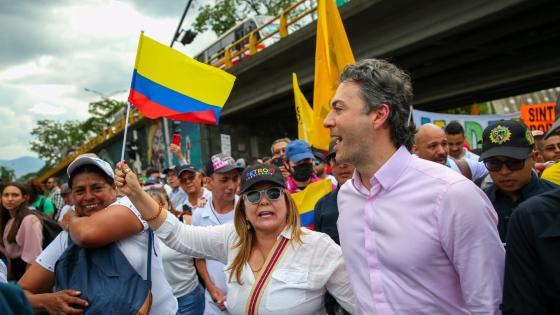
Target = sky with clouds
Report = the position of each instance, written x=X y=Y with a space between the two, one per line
x=52 y=50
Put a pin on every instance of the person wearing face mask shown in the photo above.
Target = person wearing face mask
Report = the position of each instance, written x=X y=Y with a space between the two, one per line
x=300 y=166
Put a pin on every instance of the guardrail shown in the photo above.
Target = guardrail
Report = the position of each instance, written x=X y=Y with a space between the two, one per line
x=111 y=131
x=226 y=58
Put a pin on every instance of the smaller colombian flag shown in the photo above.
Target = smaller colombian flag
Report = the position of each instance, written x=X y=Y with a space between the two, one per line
x=166 y=83
x=305 y=201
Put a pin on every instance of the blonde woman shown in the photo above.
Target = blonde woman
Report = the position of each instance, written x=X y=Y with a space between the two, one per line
x=179 y=268
x=274 y=266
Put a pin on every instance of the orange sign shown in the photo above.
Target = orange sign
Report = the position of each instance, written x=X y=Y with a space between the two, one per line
x=538 y=116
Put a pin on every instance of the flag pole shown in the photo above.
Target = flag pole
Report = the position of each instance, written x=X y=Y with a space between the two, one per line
x=130 y=95
x=125 y=130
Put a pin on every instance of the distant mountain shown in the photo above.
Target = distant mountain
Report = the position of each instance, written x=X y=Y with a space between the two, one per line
x=23 y=165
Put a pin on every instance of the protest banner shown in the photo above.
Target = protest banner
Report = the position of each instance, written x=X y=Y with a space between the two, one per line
x=473 y=124
x=538 y=116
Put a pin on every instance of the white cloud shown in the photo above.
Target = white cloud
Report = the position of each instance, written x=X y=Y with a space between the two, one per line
x=55 y=50
x=47 y=109
x=15 y=141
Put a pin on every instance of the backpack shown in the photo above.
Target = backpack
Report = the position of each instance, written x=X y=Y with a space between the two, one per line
x=51 y=229
x=41 y=208
x=105 y=279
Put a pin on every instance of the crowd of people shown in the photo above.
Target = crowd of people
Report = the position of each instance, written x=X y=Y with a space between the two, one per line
x=417 y=222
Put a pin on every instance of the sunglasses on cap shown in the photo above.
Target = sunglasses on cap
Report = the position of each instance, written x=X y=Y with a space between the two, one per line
x=186 y=179
x=272 y=193
x=495 y=165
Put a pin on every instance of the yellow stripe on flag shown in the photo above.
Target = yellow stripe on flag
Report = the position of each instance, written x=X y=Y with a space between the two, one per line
x=306 y=199
x=172 y=69
x=304 y=113
x=332 y=54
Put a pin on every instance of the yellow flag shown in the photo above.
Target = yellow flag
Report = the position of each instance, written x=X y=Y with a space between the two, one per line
x=305 y=200
x=304 y=113
x=332 y=54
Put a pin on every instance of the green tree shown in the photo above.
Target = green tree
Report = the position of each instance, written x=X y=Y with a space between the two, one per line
x=7 y=174
x=224 y=14
x=27 y=177
x=53 y=139
x=103 y=114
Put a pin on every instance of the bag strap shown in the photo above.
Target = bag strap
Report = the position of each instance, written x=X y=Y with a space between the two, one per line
x=263 y=277
x=464 y=168
x=150 y=246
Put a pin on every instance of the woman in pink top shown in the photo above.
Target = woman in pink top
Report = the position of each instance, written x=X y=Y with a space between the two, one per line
x=22 y=234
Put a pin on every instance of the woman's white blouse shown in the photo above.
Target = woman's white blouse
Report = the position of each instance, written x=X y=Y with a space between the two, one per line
x=297 y=285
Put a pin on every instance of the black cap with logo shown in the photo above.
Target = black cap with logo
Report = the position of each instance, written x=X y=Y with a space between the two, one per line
x=186 y=168
x=259 y=173
x=508 y=138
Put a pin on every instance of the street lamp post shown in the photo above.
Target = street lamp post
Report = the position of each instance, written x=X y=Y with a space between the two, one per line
x=103 y=96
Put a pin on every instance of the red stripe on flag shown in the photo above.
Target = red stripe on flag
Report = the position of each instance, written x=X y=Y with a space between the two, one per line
x=204 y=117
x=149 y=108
x=154 y=110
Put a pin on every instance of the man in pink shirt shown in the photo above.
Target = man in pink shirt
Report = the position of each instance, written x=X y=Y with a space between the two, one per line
x=417 y=237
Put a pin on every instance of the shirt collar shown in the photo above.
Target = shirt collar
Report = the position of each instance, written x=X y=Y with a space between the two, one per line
x=525 y=191
x=287 y=233
x=389 y=173
x=531 y=185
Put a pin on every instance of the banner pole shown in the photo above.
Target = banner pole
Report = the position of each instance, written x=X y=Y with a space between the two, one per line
x=125 y=130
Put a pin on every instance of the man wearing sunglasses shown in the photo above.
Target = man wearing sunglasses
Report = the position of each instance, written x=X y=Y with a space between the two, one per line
x=176 y=194
x=191 y=182
x=507 y=152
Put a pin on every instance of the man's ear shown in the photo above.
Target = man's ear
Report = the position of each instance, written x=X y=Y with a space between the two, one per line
x=209 y=182
x=380 y=116
x=415 y=149
x=533 y=157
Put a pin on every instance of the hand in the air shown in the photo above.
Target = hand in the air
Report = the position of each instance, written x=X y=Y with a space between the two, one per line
x=126 y=181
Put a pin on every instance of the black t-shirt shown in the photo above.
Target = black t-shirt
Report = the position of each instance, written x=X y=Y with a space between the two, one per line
x=504 y=206
x=532 y=271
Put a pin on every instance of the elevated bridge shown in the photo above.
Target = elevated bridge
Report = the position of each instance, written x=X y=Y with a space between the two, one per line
x=457 y=52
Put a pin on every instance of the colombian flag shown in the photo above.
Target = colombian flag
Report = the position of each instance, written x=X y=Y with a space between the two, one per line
x=306 y=200
x=166 y=83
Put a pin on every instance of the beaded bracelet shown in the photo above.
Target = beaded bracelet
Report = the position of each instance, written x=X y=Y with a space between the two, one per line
x=155 y=216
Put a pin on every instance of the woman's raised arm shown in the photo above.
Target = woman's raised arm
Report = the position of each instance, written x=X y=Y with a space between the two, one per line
x=128 y=184
x=200 y=242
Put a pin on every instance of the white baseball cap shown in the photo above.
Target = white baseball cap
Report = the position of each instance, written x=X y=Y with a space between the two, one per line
x=91 y=159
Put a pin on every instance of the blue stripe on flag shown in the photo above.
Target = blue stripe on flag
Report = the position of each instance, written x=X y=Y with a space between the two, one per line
x=307 y=218
x=169 y=98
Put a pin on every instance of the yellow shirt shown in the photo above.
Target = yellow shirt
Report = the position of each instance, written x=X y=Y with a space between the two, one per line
x=552 y=174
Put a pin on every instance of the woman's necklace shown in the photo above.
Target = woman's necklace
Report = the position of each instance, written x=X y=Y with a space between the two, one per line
x=263 y=261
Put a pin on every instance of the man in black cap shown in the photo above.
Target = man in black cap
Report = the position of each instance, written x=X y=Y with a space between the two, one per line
x=191 y=182
x=507 y=152
x=177 y=195
x=326 y=212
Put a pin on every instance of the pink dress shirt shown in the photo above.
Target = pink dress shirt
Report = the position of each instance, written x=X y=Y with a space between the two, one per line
x=422 y=240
